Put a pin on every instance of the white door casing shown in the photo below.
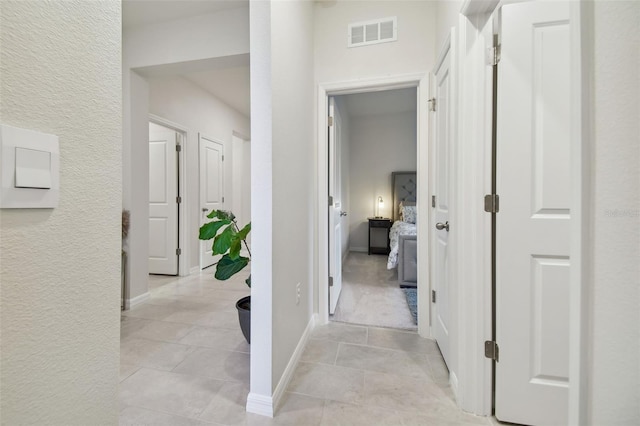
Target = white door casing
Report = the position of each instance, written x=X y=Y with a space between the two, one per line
x=534 y=219
x=211 y=189
x=335 y=208
x=163 y=206
x=440 y=168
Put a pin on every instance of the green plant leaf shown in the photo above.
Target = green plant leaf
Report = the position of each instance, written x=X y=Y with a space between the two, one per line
x=242 y=234
x=209 y=230
x=223 y=241
x=228 y=267
x=222 y=215
x=248 y=281
x=236 y=246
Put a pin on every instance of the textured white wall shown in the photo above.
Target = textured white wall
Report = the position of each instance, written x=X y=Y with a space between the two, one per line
x=413 y=52
x=182 y=102
x=614 y=374
x=380 y=145
x=60 y=302
x=293 y=156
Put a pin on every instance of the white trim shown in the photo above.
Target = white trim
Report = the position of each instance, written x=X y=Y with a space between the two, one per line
x=581 y=38
x=194 y=270
x=453 y=381
x=281 y=387
x=417 y=80
x=260 y=404
x=183 y=221
x=132 y=303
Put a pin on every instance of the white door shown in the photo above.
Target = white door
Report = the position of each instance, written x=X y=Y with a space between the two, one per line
x=533 y=222
x=335 y=209
x=211 y=189
x=440 y=218
x=163 y=203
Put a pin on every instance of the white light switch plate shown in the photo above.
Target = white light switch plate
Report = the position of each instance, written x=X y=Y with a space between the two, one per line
x=30 y=168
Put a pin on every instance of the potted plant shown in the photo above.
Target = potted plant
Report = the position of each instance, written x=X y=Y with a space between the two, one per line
x=228 y=239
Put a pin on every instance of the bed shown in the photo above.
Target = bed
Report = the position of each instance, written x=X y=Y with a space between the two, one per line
x=402 y=235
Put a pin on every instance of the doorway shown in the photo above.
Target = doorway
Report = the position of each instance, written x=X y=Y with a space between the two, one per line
x=166 y=173
x=372 y=145
x=419 y=85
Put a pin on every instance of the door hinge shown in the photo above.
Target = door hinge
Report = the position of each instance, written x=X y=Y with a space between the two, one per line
x=178 y=199
x=491 y=350
x=433 y=296
x=493 y=52
x=491 y=203
x=178 y=147
x=432 y=104
x=223 y=158
x=330 y=121
x=223 y=199
x=330 y=281
x=178 y=251
x=433 y=201
x=330 y=200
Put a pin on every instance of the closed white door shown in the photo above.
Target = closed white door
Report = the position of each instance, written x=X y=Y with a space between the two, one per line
x=163 y=203
x=335 y=209
x=534 y=219
x=211 y=190
x=440 y=218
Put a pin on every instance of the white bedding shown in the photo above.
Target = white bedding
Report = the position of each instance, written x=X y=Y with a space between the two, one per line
x=398 y=228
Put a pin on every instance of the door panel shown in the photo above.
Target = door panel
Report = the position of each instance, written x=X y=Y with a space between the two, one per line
x=335 y=219
x=211 y=190
x=440 y=169
x=163 y=207
x=532 y=229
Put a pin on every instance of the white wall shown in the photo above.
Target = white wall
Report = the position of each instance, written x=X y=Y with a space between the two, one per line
x=59 y=353
x=282 y=192
x=205 y=40
x=614 y=321
x=413 y=52
x=380 y=145
x=447 y=12
x=182 y=102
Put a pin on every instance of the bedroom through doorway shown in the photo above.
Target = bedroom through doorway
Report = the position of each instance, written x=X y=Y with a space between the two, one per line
x=372 y=155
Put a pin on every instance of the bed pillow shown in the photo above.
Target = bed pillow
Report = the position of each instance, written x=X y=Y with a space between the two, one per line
x=409 y=214
x=401 y=206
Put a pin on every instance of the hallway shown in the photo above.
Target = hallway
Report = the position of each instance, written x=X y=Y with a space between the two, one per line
x=184 y=362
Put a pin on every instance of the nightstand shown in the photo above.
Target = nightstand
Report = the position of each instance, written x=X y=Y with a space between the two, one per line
x=382 y=224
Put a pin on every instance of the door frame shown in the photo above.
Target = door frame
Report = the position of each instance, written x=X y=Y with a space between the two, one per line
x=184 y=260
x=421 y=82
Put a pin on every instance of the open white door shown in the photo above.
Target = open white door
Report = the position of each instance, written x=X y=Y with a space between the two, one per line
x=335 y=208
x=440 y=165
x=163 y=201
x=211 y=189
x=534 y=218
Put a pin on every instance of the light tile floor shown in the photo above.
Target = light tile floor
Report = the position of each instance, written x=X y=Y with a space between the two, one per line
x=184 y=362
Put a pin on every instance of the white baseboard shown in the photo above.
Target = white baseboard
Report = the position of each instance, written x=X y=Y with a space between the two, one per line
x=359 y=249
x=453 y=381
x=260 y=404
x=130 y=303
x=194 y=270
x=266 y=406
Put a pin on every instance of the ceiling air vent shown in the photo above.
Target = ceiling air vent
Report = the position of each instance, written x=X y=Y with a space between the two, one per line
x=373 y=32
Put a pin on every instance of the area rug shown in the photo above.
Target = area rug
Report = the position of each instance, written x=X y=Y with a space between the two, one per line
x=412 y=302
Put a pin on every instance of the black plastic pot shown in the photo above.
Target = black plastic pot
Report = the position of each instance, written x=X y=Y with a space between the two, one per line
x=244 y=316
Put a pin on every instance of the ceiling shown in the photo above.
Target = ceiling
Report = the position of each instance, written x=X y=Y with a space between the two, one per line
x=226 y=80
x=383 y=102
x=143 y=12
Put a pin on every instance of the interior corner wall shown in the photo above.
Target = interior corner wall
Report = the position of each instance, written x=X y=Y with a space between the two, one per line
x=182 y=102
x=447 y=13
x=614 y=323
x=380 y=145
x=293 y=156
x=60 y=300
x=412 y=52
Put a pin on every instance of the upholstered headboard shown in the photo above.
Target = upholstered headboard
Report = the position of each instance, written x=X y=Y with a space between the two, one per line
x=405 y=188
